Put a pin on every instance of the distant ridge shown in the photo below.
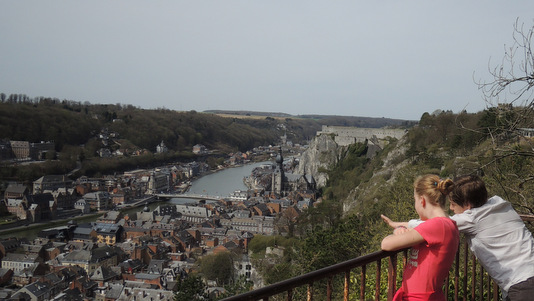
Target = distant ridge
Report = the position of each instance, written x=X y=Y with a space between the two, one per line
x=249 y=113
x=354 y=121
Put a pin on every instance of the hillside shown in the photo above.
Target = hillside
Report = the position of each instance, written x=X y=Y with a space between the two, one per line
x=347 y=221
x=76 y=129
x=71 y=123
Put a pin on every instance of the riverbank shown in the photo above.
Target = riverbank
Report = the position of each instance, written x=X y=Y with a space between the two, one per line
x=47 y=224
x=36 y=227
x=201 y=185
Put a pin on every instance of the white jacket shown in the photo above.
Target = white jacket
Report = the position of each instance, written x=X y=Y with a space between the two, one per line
x=499 y=239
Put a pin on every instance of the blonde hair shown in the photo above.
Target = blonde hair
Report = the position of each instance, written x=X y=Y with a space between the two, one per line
x=434 y=188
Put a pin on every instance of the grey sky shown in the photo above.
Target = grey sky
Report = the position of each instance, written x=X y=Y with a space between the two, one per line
x=395 y=59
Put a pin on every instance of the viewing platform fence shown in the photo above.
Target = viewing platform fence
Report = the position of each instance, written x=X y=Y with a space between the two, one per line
x=377 y=276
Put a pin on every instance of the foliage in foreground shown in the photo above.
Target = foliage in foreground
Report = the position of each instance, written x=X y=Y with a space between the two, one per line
x=191 y=288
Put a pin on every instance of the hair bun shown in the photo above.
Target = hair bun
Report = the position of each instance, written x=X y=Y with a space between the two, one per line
x=444 y=186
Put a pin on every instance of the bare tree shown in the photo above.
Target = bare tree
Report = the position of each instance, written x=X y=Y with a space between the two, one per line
x=513 y=78
x=509 y=121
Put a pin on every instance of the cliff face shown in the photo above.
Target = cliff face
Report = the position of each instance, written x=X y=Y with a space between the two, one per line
x=322 y=155
x=383 y=177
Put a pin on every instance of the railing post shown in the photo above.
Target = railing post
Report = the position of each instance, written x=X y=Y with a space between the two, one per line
x=481 y=283
x=456 y=273
x=362 y=283
x=290 y=295
x=392 y=276
x=489 y=288
x=329 y=289
x=378 y=274
x=347 y=285
x=464 y=284
x=495 y=291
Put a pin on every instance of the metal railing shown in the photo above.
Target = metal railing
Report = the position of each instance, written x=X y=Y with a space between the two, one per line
x=467 y=280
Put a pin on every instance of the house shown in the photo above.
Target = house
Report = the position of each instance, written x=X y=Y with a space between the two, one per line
x=153 y=279
x=64 y=198
x=84 y=285
x=82 y=189
x=39 y=150
x=261 y=210
x=70 y=295
x=21 y=149
x=79 y=258
x=17 y=207
x=5 y=275
x=156 y=266
x=104 y=153
x=37 y=291
x=62 y=233
x=17 y=262
x=131 y=266
x=193 y=214
x=82 y=205
x=186 y=240
x=142 y=253
x=99 y=200
x=37 y=249
x=107 y=233
x=90 y=260
x=102 y=275
x=42 y=206
x=146 y=294
x=199 y=149
x=161 y=148
x=6 y=153
x=8 y=246
x=56 y=282
x=134 y=232
x=16 y=191
x=118 y=198
x=30 y=274
x=112 y=291
x=83 y=233
x=110 y=217
x=158 y=182
x=51 y=182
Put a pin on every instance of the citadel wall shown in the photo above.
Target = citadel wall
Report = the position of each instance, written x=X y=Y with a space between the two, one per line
x=345 y=135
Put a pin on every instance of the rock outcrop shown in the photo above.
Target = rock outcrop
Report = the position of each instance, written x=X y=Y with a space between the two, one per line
x=322 y=154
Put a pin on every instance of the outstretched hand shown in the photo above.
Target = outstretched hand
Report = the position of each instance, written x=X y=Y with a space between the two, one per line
x=391 y=223
x=398 y=227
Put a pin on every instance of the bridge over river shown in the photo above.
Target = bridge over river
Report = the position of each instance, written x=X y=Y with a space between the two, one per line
x=188 y=196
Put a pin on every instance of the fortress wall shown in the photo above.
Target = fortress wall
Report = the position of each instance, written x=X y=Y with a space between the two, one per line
x=345 y=135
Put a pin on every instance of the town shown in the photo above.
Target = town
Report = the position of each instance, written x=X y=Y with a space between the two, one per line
x=141 y=255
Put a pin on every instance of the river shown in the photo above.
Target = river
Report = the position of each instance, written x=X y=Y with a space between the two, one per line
x=223 y=182
x=220 y=183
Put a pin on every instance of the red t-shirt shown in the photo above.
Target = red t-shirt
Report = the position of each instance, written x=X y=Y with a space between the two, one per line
x=428 y=264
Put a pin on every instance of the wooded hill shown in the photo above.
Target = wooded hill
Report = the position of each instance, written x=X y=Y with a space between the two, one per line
x=74 y=127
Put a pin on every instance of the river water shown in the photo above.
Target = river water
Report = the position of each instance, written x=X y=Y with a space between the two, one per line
x=223 y=182
x=220 y=183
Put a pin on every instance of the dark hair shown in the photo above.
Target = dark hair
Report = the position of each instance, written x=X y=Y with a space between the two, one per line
x=434 y=188
x=469 y=190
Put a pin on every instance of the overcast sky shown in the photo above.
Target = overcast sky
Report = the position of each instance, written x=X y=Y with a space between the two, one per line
x=394 y=59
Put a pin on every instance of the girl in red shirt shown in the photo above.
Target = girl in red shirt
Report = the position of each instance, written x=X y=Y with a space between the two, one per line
x=433 y=243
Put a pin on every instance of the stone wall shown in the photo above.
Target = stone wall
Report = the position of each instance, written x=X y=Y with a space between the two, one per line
x=344 y=135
